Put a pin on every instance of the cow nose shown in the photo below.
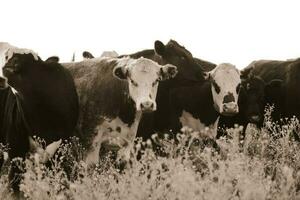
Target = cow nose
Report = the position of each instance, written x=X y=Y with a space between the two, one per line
x=230 y=109
x=3 y=82
x=254 y=118
x=147 y=106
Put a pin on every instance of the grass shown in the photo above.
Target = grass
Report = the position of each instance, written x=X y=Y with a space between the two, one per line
x=263 y=166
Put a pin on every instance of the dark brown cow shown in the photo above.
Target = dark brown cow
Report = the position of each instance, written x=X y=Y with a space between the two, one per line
x=41 y=101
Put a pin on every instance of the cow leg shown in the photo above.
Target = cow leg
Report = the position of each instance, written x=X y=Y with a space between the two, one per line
x=19 y=146
x=43 y=155
x=1 y=160
x=93 y=154
x=215 y=128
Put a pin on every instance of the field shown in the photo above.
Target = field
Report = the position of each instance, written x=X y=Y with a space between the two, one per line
x=264 y=166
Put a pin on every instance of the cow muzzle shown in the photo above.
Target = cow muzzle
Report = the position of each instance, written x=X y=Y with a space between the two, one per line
x=3 y=83
x=230 y=109
x=148 y=106
x=254 y=119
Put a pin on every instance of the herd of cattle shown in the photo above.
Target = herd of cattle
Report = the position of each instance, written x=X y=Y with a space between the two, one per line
x=108 y=101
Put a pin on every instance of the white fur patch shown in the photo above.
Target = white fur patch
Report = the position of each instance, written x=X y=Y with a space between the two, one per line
x=110 y=54
x=43 y=155
x=188 y=120
x=116 y=132
x=5 y=156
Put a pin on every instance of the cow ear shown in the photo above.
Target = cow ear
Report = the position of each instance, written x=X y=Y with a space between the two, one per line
x=207 y=75
x=120 y=72
x=167 y=71
x=276 y=83
x=52 y=59
x=87 y=55
x=159 y=48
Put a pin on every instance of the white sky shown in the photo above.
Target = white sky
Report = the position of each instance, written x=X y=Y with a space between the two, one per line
x=235 y=31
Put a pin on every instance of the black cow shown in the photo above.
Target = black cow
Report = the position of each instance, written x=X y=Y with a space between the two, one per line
x=41 y=101
x=113 y=93
x=286 y=96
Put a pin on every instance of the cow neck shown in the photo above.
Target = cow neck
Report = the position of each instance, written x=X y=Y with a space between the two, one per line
x=13 y=112
x=19 y=104
x=206 y=109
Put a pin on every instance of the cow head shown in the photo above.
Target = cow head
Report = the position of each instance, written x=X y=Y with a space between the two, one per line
x=175 y=54
x=225 y=85
x=254 y=95
x=251 y=100
x=14 y=62
x=143 y=76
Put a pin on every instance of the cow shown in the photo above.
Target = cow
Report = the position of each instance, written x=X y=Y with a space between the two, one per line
x=285 y=95
x=200 y=105
x=254 y=95
x=113 y=94
x=41 y=100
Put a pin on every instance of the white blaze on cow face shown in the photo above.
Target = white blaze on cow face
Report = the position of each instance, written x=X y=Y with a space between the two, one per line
x=225 y=83
x=143 y=76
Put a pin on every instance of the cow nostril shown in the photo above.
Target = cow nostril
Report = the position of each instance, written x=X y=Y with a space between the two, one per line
x=142 y=105
x=225 y=106
x=255 y=118
x=148 y=105
x=152 y=105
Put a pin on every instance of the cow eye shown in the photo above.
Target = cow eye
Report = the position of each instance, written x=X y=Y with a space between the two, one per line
x=238 y=88
x=133 y=83
x=216 y=86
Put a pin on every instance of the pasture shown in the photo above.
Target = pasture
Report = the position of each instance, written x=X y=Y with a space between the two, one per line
x=265 y=165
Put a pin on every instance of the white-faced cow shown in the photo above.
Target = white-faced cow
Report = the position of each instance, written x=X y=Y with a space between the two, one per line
x=201 y=104
x=113 y=94
x=41 y=100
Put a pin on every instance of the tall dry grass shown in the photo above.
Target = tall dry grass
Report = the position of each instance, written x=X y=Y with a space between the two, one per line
x=263 y=166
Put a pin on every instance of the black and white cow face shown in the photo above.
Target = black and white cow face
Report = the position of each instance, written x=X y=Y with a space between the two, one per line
x=225 y=86
x=143 y=76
